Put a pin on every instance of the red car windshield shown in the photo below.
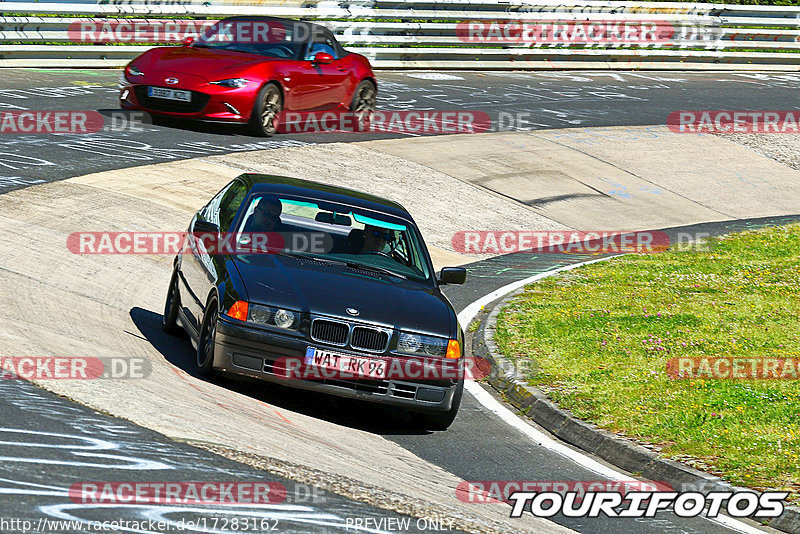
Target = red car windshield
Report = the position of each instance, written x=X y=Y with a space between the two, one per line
x=271 y=38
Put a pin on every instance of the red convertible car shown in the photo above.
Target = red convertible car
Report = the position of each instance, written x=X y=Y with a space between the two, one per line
x=249 y=70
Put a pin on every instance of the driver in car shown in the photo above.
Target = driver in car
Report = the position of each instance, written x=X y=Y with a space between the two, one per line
x=375 y=239
x=371 y=239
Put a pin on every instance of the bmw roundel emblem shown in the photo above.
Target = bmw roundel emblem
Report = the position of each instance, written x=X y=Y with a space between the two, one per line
x=352 y=311
x=171 y=81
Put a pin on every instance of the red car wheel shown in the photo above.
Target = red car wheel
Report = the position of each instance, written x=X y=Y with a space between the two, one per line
x=268 y=105
x=364 y=99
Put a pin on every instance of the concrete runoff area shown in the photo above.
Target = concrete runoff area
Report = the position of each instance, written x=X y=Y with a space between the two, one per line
x=61 y=304
x=621 y=178
x=441 y=204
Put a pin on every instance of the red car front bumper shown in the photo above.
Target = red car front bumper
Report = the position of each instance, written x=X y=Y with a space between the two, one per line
x=208 y=101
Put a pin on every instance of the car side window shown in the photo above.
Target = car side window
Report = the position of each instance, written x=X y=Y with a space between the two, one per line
x=210 y=212
x=340 y=51
x=229 y=205
x=322 y=43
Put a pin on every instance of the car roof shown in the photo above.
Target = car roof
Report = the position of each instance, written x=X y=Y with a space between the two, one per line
x=285 y=185
x=277 y=19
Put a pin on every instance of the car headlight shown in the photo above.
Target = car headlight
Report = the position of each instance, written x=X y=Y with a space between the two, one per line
x=283 y=318
x=259 y=314
x=420 y=345
x=267 y=315
x=234 y=83
x=131 y=71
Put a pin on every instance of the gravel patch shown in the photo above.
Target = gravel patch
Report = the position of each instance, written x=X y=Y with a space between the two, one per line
x=783 y=148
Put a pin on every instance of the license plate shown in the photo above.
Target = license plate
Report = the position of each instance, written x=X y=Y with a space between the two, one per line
x=345 y=365
x=169 y=94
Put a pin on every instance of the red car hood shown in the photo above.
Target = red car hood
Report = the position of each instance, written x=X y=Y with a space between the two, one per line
x=209 y=64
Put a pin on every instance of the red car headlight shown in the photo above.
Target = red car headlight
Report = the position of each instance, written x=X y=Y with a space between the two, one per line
x=131 y=71
x=233 y=83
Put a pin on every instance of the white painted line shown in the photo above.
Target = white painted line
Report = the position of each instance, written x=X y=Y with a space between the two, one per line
x=735 y=524
x=545 y=439
x=469 y=313
x=490 y=403
x=433 y=76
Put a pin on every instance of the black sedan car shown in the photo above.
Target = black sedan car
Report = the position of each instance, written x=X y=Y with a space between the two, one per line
x=340 y=296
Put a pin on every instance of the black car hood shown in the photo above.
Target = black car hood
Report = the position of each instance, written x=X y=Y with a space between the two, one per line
x=322 y=289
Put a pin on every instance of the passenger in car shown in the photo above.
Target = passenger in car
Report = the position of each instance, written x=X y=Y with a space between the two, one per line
x=355 y=241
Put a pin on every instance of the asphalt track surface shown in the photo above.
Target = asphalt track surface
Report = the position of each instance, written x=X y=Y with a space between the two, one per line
x=48 y=444
x=478 y=446
x=487 y=449
x=512 y=100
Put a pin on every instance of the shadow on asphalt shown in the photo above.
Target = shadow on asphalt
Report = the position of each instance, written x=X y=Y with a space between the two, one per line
x=360 y=415
x=126 y=118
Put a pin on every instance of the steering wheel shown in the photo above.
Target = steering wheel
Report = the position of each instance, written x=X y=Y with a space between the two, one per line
x=385 y=255
x=285 y=50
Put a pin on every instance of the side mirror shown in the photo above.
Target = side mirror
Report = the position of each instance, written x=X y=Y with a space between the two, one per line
x=452 y=275
x=323 y=58
x=205 y=227
x=189 y=41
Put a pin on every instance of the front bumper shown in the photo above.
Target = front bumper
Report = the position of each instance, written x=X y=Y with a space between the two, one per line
x=254 y=352
x=209 y=102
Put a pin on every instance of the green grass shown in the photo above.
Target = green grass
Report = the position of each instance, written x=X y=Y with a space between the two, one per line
x=601 y=336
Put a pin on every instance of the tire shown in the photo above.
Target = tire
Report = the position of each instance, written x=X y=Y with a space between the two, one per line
x=443 y=420
x=267 y=107
x=169 y=319
x=207 y=340
x=363 y=104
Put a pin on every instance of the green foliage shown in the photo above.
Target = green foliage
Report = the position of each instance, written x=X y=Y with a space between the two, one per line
x=601 y=337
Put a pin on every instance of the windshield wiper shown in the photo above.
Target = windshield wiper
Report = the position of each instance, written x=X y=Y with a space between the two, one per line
x=311 y=257
x=351 y=264
x=356 y=265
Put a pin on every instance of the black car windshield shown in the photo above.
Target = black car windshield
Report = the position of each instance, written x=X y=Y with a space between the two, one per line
x=340 y=234
x=270 y=38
